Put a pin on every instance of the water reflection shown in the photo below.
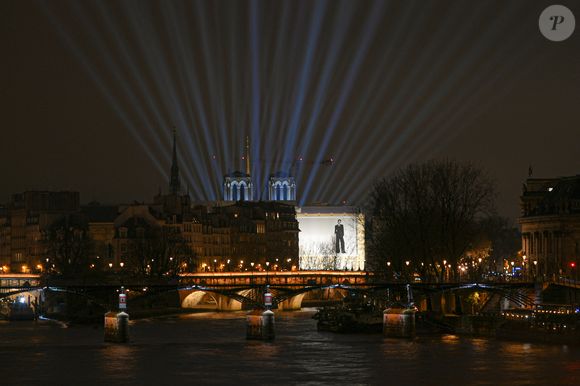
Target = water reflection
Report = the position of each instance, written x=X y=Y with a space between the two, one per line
x=118 y=361
x=260 y=350
x=211 y=348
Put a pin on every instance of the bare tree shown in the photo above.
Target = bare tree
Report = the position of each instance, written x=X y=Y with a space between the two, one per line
x=427 y=214
x=68 y=246
x=505 y=240
x=319 y=256
x=164 y=252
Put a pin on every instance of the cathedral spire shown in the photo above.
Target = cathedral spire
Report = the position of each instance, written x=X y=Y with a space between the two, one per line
x=248 y=169
x=174 y=183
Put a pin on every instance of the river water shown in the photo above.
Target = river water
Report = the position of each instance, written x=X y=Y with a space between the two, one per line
x=210 y=348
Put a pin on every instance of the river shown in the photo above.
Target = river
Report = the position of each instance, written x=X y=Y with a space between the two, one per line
x=210 y=348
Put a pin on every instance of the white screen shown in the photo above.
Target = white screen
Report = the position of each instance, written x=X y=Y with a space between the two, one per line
x=317 y=235
x=318 y=247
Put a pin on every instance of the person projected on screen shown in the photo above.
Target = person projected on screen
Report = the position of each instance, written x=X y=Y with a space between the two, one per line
x=339 y=233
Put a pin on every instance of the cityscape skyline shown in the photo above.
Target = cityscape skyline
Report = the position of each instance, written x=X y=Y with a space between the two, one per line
x=325 y=192
x=504 y=75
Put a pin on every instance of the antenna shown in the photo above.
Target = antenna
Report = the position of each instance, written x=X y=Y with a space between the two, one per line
x=248 y=155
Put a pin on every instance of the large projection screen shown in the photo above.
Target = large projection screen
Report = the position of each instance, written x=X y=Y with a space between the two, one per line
x=330 y=238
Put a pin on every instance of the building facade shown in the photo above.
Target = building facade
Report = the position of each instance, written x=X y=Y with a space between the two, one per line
x=550 y=225
x=23 y=223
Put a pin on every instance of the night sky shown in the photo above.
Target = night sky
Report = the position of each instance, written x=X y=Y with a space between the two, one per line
x=89 y=92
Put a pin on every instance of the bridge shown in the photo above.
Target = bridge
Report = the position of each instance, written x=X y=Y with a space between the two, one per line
x=19 y=279
x=243 y=290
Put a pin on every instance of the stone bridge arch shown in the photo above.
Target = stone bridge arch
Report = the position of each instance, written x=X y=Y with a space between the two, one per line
x=223 y=300
x=452 y=298
x=194 y=298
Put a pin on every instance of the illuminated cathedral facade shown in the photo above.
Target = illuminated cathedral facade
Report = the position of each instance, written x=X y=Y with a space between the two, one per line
x=238 y=186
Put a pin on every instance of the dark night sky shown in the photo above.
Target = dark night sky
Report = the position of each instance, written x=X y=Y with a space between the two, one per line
x=89 y=92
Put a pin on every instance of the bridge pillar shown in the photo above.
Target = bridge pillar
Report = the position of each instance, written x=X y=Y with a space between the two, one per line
x=260 y=325
x=117 y=324
x=458 y=305
x=225 y=303
x=293 y=303
x=399 y=323
x=504 y=303
x=538 y=288
x=436 y=302
x=116 y=327
x=424 y=304
x=450 y=303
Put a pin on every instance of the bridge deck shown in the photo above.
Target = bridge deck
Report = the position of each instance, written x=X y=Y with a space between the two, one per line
x=277 y=278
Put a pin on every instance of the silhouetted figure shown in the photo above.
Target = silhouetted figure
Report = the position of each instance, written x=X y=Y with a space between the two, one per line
x=339 y=233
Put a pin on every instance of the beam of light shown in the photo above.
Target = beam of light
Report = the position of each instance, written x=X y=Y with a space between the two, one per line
x=430 y=107
x=163 y=78
x=376 y=13
x=342 y=22
x=303 y=79
x=213 y=89
x=161 y=75
x=372 y=100
x=142 y=85
x=202 y=161
x=407 y=98
x=134 y=71
x=284 y=81
x=115 y=72
x=101 y=86
x=275 y=91
x=466 y=105
x=255 y=90
x=295 y=89
x=235 y=101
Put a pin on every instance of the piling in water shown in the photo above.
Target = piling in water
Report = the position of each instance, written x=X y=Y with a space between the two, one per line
x=260 y=325
x=399 y=322
x=116 y=327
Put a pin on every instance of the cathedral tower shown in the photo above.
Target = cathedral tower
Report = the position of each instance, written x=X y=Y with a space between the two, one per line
x=281 y=187
x=238 y=185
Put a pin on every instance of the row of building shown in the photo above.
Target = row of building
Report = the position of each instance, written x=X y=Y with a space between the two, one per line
x=241 y=234
x=237 y=233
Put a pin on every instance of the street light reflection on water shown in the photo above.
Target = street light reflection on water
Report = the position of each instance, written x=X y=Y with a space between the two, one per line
x=211 y=348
